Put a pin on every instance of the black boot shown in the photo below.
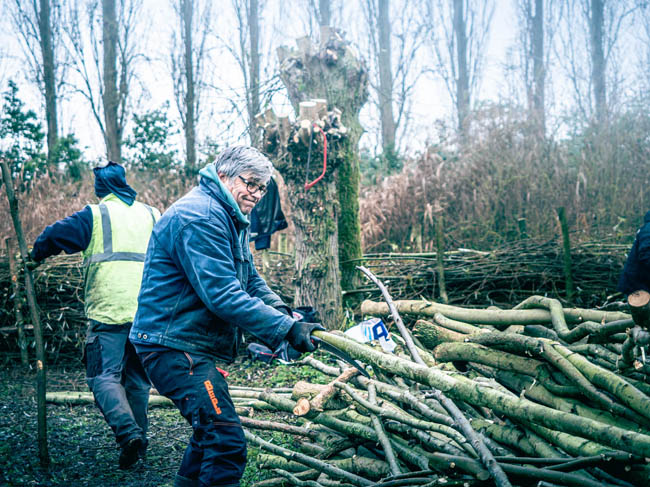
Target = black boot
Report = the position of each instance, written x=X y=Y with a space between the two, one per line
x=131 y=452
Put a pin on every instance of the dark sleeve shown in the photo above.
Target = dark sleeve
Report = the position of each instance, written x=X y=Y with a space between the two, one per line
x=644 y=245
x=70 y=235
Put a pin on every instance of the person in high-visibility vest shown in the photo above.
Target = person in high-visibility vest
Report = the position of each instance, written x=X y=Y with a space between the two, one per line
x=113 y=237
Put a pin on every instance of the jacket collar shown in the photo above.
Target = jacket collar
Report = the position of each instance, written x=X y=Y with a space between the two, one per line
x=210 y=182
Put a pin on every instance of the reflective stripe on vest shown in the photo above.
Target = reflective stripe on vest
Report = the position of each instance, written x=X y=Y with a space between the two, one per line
x=114 y=259
x=107 y=232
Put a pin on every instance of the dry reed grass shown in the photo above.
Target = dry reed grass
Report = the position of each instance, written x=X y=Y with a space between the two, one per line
x=51 y=199
x=503 y=175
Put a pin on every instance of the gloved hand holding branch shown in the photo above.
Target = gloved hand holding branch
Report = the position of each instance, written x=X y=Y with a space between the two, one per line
x=299 y=336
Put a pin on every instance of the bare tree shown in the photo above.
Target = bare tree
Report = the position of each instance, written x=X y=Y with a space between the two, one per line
x=319 y=14
x=247 y=55
x=536 y=28
x=588 y=51
x=458 y=33
x=187 y=67
x=596 y=24
x=111 y=94
x=105 y=79
x=394 y=71
x=37 y=23
x=325 y=12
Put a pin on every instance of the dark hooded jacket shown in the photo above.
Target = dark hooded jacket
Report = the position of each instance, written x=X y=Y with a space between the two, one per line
x=636 y=273
x=200 y=287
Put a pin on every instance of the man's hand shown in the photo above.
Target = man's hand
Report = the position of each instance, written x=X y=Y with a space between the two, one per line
x=32 y=264
x=299 y=336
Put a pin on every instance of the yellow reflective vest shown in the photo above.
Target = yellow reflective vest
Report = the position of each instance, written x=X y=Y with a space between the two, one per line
x=114 y=259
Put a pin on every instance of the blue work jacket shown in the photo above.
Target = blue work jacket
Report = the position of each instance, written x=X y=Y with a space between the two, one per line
x=636 y=272
x=200 y=287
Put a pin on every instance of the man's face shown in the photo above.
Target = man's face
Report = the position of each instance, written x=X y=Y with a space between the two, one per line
x=245 y=189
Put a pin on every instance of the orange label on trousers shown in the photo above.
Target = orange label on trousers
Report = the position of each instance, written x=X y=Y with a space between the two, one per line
x=213 y=398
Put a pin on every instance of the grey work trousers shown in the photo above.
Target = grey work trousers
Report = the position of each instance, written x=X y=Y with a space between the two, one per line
x=117 y=380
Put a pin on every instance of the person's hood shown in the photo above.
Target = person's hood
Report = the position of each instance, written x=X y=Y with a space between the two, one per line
x=646 y=218
x=112 y=179
x=210 y=172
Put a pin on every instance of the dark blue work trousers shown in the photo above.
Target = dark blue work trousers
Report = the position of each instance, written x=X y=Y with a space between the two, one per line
x=216 y=453
x=117 y=380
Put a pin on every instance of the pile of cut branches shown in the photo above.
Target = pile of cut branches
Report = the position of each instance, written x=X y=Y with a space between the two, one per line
x=535 y=395
x=58 y=284
x=507 y=274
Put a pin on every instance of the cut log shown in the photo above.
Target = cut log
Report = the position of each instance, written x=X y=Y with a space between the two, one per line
x=639 y=302
x=431 y=335
x=308 y=110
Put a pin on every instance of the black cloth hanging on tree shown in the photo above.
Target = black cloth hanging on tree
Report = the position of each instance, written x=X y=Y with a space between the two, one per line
x=267 y=217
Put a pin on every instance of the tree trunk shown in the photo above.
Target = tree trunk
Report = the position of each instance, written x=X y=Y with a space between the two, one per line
x=325 y=12
x=110 y=95
x=539 y=70
x=187 y=18
x=596 y=22
x=462 y=84
x=49 y=80
x=316 y=244
x=325 y=231
x=254 y=69
x=385 y=77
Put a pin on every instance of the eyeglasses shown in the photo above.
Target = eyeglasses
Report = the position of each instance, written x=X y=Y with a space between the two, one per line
x=253 y=188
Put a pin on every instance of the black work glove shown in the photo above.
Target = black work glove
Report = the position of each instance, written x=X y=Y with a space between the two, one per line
x=32 y=264
x=299 y=336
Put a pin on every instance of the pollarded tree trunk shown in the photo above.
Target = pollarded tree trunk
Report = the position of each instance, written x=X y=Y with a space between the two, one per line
x=332 y=71
x=314 y=207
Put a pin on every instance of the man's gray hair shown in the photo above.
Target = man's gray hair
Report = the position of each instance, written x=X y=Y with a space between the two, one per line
x=239 y=159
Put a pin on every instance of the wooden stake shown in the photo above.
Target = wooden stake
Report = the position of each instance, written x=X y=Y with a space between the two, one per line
x=18 y=302
x=41 y=380
x=568 y=276
x=440 y=244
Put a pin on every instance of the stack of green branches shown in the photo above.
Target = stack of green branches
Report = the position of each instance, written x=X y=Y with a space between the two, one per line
x=491 y=403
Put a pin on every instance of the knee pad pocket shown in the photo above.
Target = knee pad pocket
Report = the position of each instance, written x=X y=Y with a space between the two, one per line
x=93 y=357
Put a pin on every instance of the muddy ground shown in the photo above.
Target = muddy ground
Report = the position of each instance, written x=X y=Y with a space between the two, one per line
x=81 y=446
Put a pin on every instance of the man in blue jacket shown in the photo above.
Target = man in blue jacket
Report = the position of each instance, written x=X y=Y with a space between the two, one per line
x=636 y=273
x=113 y=236
x=199 y=291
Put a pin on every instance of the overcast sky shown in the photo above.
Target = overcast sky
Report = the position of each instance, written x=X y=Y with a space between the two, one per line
x=431 y=100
